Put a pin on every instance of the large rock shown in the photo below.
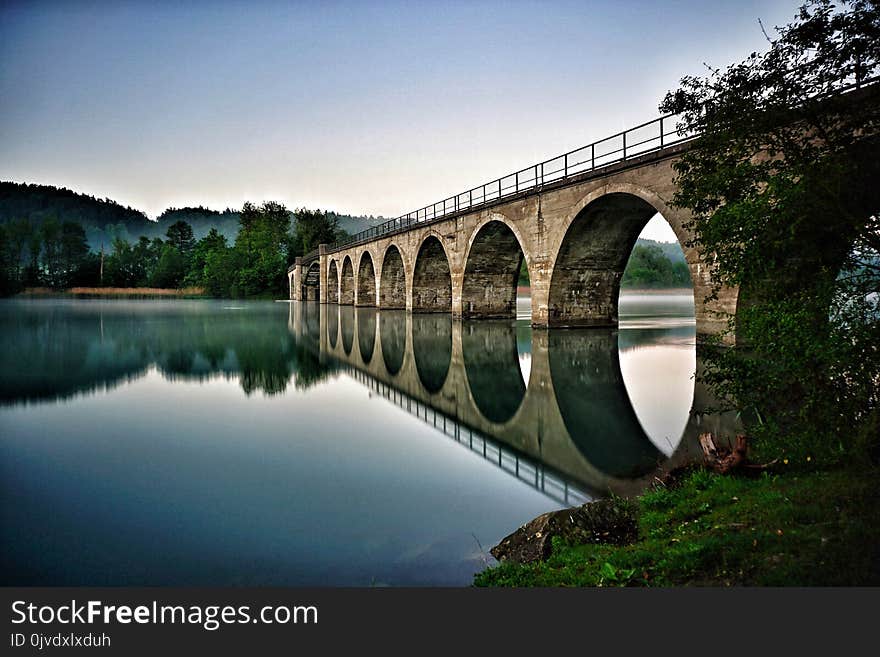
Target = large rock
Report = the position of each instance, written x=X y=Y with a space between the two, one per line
x=604 y=521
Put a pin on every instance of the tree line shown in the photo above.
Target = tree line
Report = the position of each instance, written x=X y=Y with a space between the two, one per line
x=56 y=254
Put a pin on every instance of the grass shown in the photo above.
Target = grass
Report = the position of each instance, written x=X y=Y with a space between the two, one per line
x=804 y=529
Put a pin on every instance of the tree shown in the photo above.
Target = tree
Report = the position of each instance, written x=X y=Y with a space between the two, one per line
x=261 y=249
x=313 y=227
x=782 y=186
x=180 y=236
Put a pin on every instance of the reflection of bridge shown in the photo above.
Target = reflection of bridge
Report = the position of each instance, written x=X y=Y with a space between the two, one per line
x=574 y=416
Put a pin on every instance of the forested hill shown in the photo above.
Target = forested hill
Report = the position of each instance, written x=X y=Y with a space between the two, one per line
x=105 y=219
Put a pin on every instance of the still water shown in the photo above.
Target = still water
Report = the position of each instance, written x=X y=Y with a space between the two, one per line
x=231 y=443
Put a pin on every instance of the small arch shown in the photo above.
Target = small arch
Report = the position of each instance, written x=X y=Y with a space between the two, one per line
x=491 y=272
x=432 y=349
x=366 y=332
x=432 y=280
x=346 y=283
x=333 y=283
x=392 y=281
x=311 y=287
x=366 y=281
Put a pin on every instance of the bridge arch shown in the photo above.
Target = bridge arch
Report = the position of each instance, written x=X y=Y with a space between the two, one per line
x=333 y=282
x=432 y=277
x=392 y=279
x=599 y=235
x=346 y=283
x=366 y=281
x=312 y=282
x=492 y=263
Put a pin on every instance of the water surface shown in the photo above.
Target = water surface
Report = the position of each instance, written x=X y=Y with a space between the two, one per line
x=229 y=443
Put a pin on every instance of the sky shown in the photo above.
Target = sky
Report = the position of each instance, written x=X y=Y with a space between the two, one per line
x=361 y=107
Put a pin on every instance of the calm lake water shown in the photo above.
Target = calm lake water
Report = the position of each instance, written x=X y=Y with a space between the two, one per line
x=231 y=443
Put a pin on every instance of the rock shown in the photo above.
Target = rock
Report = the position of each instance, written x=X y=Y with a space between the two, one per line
x=604 y=521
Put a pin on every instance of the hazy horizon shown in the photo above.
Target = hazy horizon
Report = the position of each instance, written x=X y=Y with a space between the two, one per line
x=360 y=108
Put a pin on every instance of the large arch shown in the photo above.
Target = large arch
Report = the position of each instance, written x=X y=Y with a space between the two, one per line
x=585 y=284
x=392 y=280
x=491 y=272
x=333 y=283
x=366 y=281
x=432 y=280
x=346 y=283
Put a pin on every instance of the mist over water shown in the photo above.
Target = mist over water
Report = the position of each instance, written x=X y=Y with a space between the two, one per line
x=218 y=443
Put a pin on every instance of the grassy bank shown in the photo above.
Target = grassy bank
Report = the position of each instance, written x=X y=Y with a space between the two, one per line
x=816 y=528
x=116 y=292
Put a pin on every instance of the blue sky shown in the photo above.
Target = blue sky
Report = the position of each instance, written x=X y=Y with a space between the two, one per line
x=362 y=107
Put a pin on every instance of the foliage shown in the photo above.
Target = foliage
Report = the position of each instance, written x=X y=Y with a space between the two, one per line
x=782 y=190
x=313 y=227
x=816 y=528
x=648 y=266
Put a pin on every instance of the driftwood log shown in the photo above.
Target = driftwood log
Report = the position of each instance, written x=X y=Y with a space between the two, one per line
x=723 y=459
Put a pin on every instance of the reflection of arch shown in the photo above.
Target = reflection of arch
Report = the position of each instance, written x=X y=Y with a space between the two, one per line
x=432 y=281
x=491 y=272
x=312 y=322
x=392 y=337
x=594 y=403
x=346 y=323
x=432 y=349
x=366 y=332
x=491 y=363
x=346 y=283
x=333 y=325
x=366 y=281
x=333 y=283
x=392 y=283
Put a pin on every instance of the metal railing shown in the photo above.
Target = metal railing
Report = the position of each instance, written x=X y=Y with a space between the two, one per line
x=534 y=473
x=642 y=139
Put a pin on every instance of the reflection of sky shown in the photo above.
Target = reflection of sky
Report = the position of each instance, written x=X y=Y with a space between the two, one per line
x=657 y=360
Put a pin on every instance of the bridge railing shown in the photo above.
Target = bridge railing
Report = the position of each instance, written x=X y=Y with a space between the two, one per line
x=634 y=142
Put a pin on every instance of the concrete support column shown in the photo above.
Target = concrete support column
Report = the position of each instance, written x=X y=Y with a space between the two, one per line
x=324 y=264
x=296 y=280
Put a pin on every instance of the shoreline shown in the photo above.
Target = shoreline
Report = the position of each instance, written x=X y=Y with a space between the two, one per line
x=113 y=292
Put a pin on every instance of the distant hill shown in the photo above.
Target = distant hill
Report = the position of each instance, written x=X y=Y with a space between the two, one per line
x=105 y=219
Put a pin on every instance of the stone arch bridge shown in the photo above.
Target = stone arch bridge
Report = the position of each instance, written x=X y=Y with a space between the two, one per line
x=574 y=220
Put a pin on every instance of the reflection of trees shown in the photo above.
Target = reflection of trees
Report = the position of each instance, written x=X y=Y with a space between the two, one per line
x=55 y=351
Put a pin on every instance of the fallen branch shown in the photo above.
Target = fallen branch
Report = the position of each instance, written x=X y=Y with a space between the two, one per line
x=724 y=460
